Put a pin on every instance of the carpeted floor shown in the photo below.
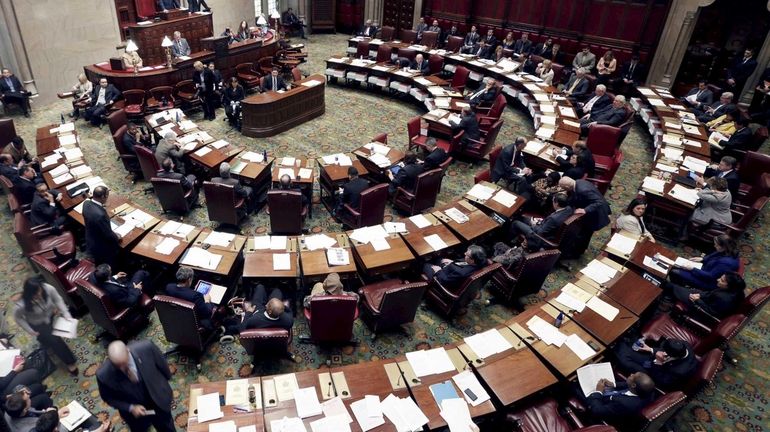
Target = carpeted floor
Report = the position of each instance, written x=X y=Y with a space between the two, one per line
x=738 y=401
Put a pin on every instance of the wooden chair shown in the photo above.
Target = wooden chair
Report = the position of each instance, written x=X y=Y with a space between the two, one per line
x=39 y=240
x=147 y=162
x=451 y=301
x=260 y=343
x=544 y=415
x=486 y=175
x=247 y=76
x=429 y=39
x=222 y=203
x=460 y=78
x=426 y=190
x=386 y=33
x=454 y=43
x=117 y=119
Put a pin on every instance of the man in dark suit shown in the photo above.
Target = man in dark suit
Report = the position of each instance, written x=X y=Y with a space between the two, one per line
x=482 y=50
x=285 y=183
x=436 y=156
x=618 y=403
x=700 y=96
x=351 y=192
x=8 y=169
x=274 y=82
x=726 y=169
x=706 y=113
x=614 y=115
x=204 y=82
x=586 y=199
x=554 y=54
x=469 y=124
x=134 y=380
x=451 y=274
x=486 y=95
x=510 y=163
x=420 y=64
x=579 y=147
x=598 y=102
x=436 y=29
x=577 y=86
x=670 y=365
x=101 y=242
x=25 y=185
x=532 y=230
x=187 y=181
x=184 y=290
x=452 y=32
x=490 y=40
x=631 y=74
x=245 y=192
x=542 y=49
x=406 y=177
x=523 y=46
x=740 y=71
x=291 y=20
x=368 y=30
x=737 y=141
x=262 y=311
x=124 y=291
x=133 y=137
x=12 y=91
x=421 y=27
x=102 y=97
x=470 y=41
x=44 y=210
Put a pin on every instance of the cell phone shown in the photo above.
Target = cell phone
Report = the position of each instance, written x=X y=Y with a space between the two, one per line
x=470 y=394
x=149 y=412
x=221 y=400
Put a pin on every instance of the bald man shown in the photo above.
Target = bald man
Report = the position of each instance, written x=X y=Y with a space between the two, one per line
x=262 y=311
x=134 y=380
x=617 y=403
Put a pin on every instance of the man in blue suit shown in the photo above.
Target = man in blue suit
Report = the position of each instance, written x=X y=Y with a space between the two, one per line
x=617 y=403
x=586 y=199
x=535 y=229
x=451 y=274
x=577 y=86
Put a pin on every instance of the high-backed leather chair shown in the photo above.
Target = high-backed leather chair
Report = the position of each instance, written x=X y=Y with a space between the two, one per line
x=752 y=304
x=371 y=211
x=655 y=415
x=408 y=36
x=477 y=149
x=381 y=138
x=296 y=74
x=702 y=342
x=7 y=132
x=331 y=318
x=160 y=98
x=752 y=167
x=63 y=277
x=384 y=52
x=130 y=161
x=413 y=131
x=134 y=102
x=453 y=144
x=57 y=248
x=171 y=195
x=287 y=215
x=426 y=190
x=429 y=39
x=246 y=74
x=748 y=194
x=487 y=116
x=185 y=93
x=265 y=342
x=486 y=175
x=705 y=373
x=602 y=139
x=565 y=237
x=526 y=278
x=387 y=32
x=118 y=322
x=543 y=416
x=390 y=303
x=435 y=64
x=454 y=43
x=223 y=205
x=147 y=161
x=266 y=65
x=460 y=78
x=450 y=301
x=182 y=327
x=741 y=223
x=362 y=50
x=116 y=119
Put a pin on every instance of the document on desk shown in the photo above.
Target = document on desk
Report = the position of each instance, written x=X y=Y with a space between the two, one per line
x=78 y=414
x=430 y=362
x=403 y=413
x=673 y=154
x=687 y=195
x=505 y=198
x=252 y=156
x=237 y=392
x=305 y=173
x=281 y=261
x=666 y=168
x=456 y=414
x=166 y=246
x=579 y=347
x=653 y=184
x=589 y=376
x=623 y=244
x=379 y=160
x=435 y=242
x=487 y=343
x=466 y=380
x=203 y=151
x=286 y=171
x=534 y=147
x=225 y=426
x=368 y=415
x=219 y=144
x=684 y=262
x=139 y=218
x=250 y=428
x=287 y=424
x=337 y=256
x=606 y=310
x=394 y=227
x=330 y=424
x=177 y=229
x=335 y=407
x=545 y=132
x=651 y=263
x=306 y=401
x=312 y=83
x=380 y=244
x=263 y=242
x=546 y=331
x=420 y=221
x=278 y=242
x=124 y=229
x=208 y=407
x=479 y=191
x=570 y=302
x=319 y=241
x=695 y=164
x=599 y=272
x=456 y=215
x=198 y=257
x=285 y=386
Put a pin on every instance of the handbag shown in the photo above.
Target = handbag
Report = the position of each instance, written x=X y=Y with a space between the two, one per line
x=41 y=362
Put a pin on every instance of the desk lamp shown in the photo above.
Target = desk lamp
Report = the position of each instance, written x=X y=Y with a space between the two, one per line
x=167 y=45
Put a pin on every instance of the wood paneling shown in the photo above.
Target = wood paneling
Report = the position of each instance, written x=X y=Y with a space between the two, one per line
x=398 y=14
x=148 y=37
x=322 y=14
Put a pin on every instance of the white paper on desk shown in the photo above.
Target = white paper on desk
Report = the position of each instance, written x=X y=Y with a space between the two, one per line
x=547 y=108
x=487 y=343
x=216 y=238
x=670 y=139
x=281 y=261
x=606 y=310
x=545 y=132
x=546 y=331
x=63 y=178
x=331 y=424
x=576 y=292
x=622 y=244
x=599 y=272
x=237 y=392
x=337 y=256
x=124 y=229
x=305 y=173
x=692 y=130
x=73 y=154
x=250 y=428
x=139 y=217
x=481 y=192
x=286 y=171
x=286 y=424
x=403 y=413
x=262 y=242
x=694 y=164
x=684 y=262
x=362 y=413
x=380 y=244
x=166 y=246
x=50 y=160
x=467 y=380
x=567 y=112
x=68 y=140
x=335 y=407
x=288 y=161
x=456 y=215
x=420 y=221
x=656 y=102
x=252 y=156
x=225 y=426
x=278 y=242
x=534 y=147
x=306 y=401
x=666 y=168
x=681 y=193
x=219 y=144
x=571 y=302
x=208 y=407
x=505 y=198
x=429 y=362
x=579 y=347
x=373 y=408
x=203 y=151
x=65 y=327
x=673 y=154
x=78 y=414
x=646 y=91
x=379 y=160
x=653 y=184
x=456 y=414
x=435 y=242
x=285 y=386
x=319 y=241
x=394 y=227
x=198 y=257
x=589 y=376
x=651 y=263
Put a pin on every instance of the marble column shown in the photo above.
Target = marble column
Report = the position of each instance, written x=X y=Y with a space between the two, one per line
x=417 y=13
x=373 y=10
x=674 y=40
x=13 y=53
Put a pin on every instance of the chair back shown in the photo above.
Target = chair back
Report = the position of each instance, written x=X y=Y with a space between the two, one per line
x=185 y=91
x=487 y=142
x=435 y=63
x=99 y=305
x=454 y=43
x=383 y=53
x=22 y=230
x=602 y=139
x=656 y=414
x=493 y=155
x=408 y=36
x=497 y=107
x=56 y=278
x=705 y=373
x=565 y=237
x=529 y=276
x=128 y=159
x=759 y=138
x=13 y=202
x=413 y=127
x=134 y=102
x=161 y=92
x=752 y=167
x=259 y=342
x=116 y=119
x=399 y=304
x=429 y=39
x=721 y=334
x=443 y=166
x=387 y=32
x=147 y=161
x=7 y=132
x=333 y=317
x=180 y=324
x=460 y=78
x=468 y=290
x=285 y=208
x=363 y=49
x=406 y=53
x=426 y=189
x=373 y=202
x=296 y=74
x=221 y=203
x=382 y=138
x=171 y=195
x=265 y=65
x=754 y=302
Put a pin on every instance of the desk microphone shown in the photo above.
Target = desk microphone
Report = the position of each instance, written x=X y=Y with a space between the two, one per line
x=331 y=379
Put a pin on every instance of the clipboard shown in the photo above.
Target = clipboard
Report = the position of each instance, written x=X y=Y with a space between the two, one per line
x=553 y=312
x=522 y=333
x=457 y=359
x=512 y=339
x=411 y=377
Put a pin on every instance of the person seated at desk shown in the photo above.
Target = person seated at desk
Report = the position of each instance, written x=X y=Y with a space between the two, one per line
x=135 y=136
x=452 y=32
x=499 y=54
x=724 y=124
x=532 y=229
x=670 y=364
x=291 y=20
x=451 y=274
x=420 y=64
x=44 y=210
x=523 y=46
x=486 y=95
x=706 y=113
x=482 y=50
x=102 y=97
x=737 y=141
x=577 y=85
x=351 y=193
x=585 y=59
x=245 y=192
x=544 y=71
x=179 y=47
x=231 y=99
x=726 y=169
x=719 y=302
x=406 y=176
x=187 y=181
x=490 y=40
x=632 y=219
x=470 y=41
x=81 y=95
x=724 y=259
x=27 y=380
x=183 y=289
x=285 y=183
x=8 y=169
x=469 y=124
x=699 y=97
x=18 y=151
x=614 y=115
x=421 y=27
x=244 y=32
x=572 y=166
x=121 y=289
x=231 y=37
x=714 y=204
x=12 y=91
x=620 y=402
x=49 y=422
x=554 y=54
x=368 y=30
x=435 y=28
x=131 y=60
x=274 y=82
x=262 y=311
x=598 y=102
x=543 y=48
x=169 y=148
x=509 y=42
x=25 y=185
x=435 y=155
x=510 y=163
x=332 y=285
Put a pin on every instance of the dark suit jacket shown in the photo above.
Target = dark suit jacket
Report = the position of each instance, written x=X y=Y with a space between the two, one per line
x=368 y=31
x=100 y=240
x=491 y=41
x=485 y=53
x=258 y=320
x=42 y=211
x=434 y=159
x=351 y=192
x=554 y=58
x=111 y=94
x=573 y=172
x=505 y=165
x=601 y=104
x=268 y=85
x=715 y=265
x=617 y=407
x=423 y=68
x=233 y=94
x=152 y=389
x=129 y=141
x=739 y=140
x=542 y=49
x=589 y=164
x=719 y=303
x=122 y=294
x=586 y=196
x=636 y=75
x=207 y=81
x=186 y=185
x=454 y=274
x=740 y=71
x=551 y=224
x=239 y=190
x=522 y=47
x=610 y=116
x=486 y=97
x=407 y=176
x=471 y=39
x=732 y=178
x=11 y=172
x=706 y=97
x=17 y=86
x=471 y=127
x=25 y=190
x=202 y=309
x=580 y=90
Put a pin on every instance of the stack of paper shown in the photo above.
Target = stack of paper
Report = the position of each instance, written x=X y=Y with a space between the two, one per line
x=177 y=229
x=466 y=380
x=237 y=392
x=430 y=362
x=545 y=132
x=481 y=192
x=666 y=168
x=306 y=401
x=261 y=242
x=208 y=407
x=599 y=272
x=198 y=257
x=653 y=184
x=216 y=238
x=319 y=241
x=579 y=347
x=167 y=246
x=278 y=242
x=505 y=198
x=690 y=196
x=534 y=147
x=305 y=173
x=288 y=161
x=337 y=256
x=623 y=244
x=368 y=412
x=456 y=215
x=488 y=343
x=282 y=261
x=286 y=171
x=203 y=151
x=673 y=154
x=77 y=415
x=589 y=376
x=651 y=263
x=606 y=310
x=684 y=262
x=124 y=229
x=694 y=164
x=286 y=424
x=403 y=413
x=139 y=218
x=546 y=331
x=420 y=221
x=456 y=414
x=369 y=234
x=570 y=302
x=379 y=160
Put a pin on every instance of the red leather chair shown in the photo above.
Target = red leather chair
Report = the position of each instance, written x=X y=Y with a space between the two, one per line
x=362 y=50
x=750 y=193
x=752 y=167
x=408 y=36
x=603 y=179
x=543 y=416
x=117 y=119
x=486 y=175
x=426 y=189
x=130 y=161
x=147 y=162
x=331 y=319
x=157 y=97
x=266 y=65
x=406 y=53
x=460 y=78
x=39 y=240
x=489 y=115
x=413 y=131
x=182 y=327
x=372 y=209
x=134 y=103
x=223 y=205
x=13 y=202
x=185 y=93
x=602 y=140
x=287 y=215
x=172 y=195
x=741 y=223
x=565 y=237
x=296 y=74
x=477 y=149
x=63 y=277
x=145 y=8
x=435 y=64
x=527 y=278
x=260 y=343
x=653 y=417
x=116 y=321
x=750 y=306
x=7 y=132
x=444 y=166
x=452 y=144
x=384 y=53
x=387 y=32
x=718 y=337
x=451 y=301
x=382 y=138
x=429 y=39
x=247 y=76
x=454 y=43
x=390 y=304
x=705 y=373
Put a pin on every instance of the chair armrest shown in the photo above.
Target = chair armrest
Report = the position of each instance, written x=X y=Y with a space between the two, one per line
x=352 y=211
x=443 y=290
x=43 y=230
x=403 y=191
x=547 y=243
x=127 y=157
x=697 y=325
x=573 y=417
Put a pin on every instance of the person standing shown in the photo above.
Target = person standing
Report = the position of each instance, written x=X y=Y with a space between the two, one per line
x=12 y=91
x=101 y=242
x=134 y=380
x=204 y=82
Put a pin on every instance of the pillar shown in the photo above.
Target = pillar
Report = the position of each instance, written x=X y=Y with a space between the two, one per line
x=13 y=53
x=373 y=10
x=417 y=12
x=763 y=61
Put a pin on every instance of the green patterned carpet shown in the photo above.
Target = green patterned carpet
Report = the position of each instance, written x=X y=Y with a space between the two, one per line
x=738 y=401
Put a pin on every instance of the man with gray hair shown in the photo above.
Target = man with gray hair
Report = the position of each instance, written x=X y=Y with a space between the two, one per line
x=451 y=274
x=183 y=289
x=435 y=155
x=717 y=109
x=245 y=192
x=599 y=102
x=614 y=115
x=577 y=86
x=169 y=147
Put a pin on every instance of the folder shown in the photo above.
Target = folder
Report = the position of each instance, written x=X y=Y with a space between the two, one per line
x=442 y=391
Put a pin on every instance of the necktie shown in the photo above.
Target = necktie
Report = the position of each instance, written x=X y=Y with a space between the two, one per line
x=574 y=84
x=131 y=375
x=275 y=85
x=697 y=95
x=631 y=70
x=9 y=82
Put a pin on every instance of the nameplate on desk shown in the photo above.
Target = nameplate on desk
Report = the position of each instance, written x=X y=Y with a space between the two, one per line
x=269 y=396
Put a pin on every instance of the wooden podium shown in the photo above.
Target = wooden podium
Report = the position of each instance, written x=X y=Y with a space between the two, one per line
x=148 y=37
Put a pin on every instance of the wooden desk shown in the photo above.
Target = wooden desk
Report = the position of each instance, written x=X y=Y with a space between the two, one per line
x=315 y=266
x=372 y=262
x=45 y=141
x=494 y=206
x=230 y=254
x=638 y=299
x=258 y=263
x=304 y=183
x=394 y=156
x=118 y=206
x=415 y=237
x=478 y=224
x=650 y=249
x=146 y=247
x=606 y=331
x=270 y=113
x=254 y=173
x=308 y=378
x=332 y=176
x=210 y=161
x=241 y=419
x=194 y=27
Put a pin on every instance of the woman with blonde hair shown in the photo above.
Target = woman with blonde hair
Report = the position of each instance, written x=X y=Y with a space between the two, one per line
x=606 y=67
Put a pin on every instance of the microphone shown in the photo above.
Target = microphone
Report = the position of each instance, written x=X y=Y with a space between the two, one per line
x=331 y=379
